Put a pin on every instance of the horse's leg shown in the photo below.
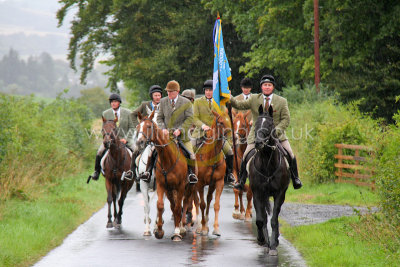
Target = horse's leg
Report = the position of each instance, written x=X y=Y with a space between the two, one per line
x=278 y=201
x=197 y=208
x=124 y=191
x=236 y=212
x=259 y=202
x=145 y=191
x=202 y=207
x=159 y=232
x=211 y=189
x=109 y=188
x=219 y=186
x=115 y=193
x=249 y=196
x=178 y=214
x=241 y=205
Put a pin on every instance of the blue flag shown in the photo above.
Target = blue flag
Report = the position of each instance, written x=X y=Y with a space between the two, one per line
x=222 y=72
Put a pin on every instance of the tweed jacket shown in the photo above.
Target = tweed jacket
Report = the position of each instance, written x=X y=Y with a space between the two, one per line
x=239 y=98
x=180 y=117
x=142 y=109
x=125 y=123
x=202 y=115
x=281 y=114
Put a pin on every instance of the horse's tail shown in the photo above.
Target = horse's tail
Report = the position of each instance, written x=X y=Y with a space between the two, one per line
x=268 y=206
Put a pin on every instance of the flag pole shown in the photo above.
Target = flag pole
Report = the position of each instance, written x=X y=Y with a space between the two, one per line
x=229 y=106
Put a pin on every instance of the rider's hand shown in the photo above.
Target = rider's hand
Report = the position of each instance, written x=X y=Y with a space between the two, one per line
x=165 y=132
x=205 y=127
x=177 y=132
x=251 y=122
x=123 y=141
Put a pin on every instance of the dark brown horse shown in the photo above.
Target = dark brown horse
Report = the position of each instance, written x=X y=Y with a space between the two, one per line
x=171 y=174
x=117 y=161
x=269 y=177
x=241 y=130
x=212 y=167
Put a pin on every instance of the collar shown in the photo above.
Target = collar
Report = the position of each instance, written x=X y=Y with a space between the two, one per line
x=244 y=96
x=175 y=99
x=270 y=96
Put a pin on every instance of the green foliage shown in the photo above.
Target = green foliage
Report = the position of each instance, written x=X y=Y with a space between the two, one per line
x=387 y=172
x=96 y=99
x=40 y=142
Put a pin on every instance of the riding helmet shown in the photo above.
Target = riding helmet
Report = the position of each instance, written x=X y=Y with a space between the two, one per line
x=268 y=79
x=115 y=97
x=208 y=84
x=246 y=83
x=153 y=89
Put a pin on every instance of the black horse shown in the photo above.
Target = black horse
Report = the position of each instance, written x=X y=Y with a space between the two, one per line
x=269 y=177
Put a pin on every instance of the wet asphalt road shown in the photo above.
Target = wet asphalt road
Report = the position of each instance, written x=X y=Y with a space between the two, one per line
x=91 y=244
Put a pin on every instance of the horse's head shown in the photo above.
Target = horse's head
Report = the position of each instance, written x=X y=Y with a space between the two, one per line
x=109 y=131
x=155 y=113
x=146 y=130
x=220 y=127
x=264 y=128
x=241 y=125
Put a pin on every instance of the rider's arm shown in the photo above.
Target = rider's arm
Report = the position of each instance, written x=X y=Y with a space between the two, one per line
x=241 y=104
x=161 y=117
x=196 y=116
x=284 y=116
x=134 y=114
x=188 y=117
x=131 y=128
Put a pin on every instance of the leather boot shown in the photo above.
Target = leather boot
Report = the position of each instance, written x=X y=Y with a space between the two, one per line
x=229 y=169
x=130 y=174
x=192 y=170
x=151 y=161
x=294 y=174
x=97 y=168
x=242 y=175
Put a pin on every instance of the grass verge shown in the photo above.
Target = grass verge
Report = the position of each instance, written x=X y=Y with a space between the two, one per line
x=333 y=194
x=339 y=242
x=30 y=228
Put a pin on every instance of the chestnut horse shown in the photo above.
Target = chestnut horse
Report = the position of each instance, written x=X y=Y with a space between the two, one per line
x=212 y=168
x=241 y=130
x=117 y=161
x=170 y=172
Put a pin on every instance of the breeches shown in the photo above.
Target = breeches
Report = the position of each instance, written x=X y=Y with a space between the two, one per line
x=102 y=148
x=227 y=149
x=284 y=143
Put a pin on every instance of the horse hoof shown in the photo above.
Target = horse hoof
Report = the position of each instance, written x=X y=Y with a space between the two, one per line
x=273 y=252
x=266 y=250
x=235 y=216
x=117 y=226
x=217 y=232
x=147 y=233
x=248 y=219
x=198 y=230
x=159 y=234
x=204 y=232
x=110 y=225
x=241 y=216
x=176 y=238
x=182 y=231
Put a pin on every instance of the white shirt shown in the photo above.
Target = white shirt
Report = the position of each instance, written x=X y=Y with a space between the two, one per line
x=270 y=99
x=118 y=111
x=245 y=97
x=175 y=100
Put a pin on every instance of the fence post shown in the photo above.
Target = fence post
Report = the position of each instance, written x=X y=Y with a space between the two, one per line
x=357 y=162
x=340 y=161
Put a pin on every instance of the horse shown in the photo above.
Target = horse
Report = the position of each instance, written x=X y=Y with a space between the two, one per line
x=212 y=168
x=241 y=130
x=145 y=186
x=116 y=162
x=171 y=174
x=269 y=177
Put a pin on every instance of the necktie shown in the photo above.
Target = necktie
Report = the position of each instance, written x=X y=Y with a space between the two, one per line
x=209 y=103
x=116 y=115
x=173 y=103
x=266 y=104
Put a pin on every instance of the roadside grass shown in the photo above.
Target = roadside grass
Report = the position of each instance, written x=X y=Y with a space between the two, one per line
x=345 y=241
x=31 y=228
x=333 y=194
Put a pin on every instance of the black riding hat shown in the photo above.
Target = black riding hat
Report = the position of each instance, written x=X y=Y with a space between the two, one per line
x=268 y=79
x=246 y=82
x=153 y=89
x=208 y=84
x=115 y=97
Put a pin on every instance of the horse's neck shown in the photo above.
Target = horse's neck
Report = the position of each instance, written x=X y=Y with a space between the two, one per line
x=213 y=148
x=242 y=149
x=115 y=149
x=166 y=154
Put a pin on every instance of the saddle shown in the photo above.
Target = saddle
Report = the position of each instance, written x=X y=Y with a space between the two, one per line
x=279 y=146
x=184 y=150
x=103 y=159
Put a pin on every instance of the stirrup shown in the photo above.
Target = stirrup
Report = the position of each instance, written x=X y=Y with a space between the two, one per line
x=192 y=178
x=95 y=176
x=127 y=175
x=145 y=176
x=231 y=178
x=239 y=186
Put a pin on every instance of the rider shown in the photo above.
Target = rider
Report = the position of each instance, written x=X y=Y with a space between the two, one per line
x=189 y=94
x=155 y=92
x=246 y=85
x=281 y=119
x=176 y=113
x=203 y=119
x=125 y=131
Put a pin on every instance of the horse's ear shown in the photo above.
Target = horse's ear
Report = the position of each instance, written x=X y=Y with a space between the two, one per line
x=271 y=111
x=140 y=117
x=260 y=110
x=104 y=119
x=247 y=113
x=152 y=114
x=215 y=113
